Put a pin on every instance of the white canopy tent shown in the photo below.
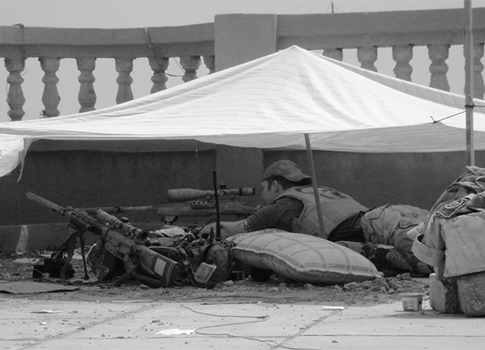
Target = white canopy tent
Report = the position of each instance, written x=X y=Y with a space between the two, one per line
x=272 y=102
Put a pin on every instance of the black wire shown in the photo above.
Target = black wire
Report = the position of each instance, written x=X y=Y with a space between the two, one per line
x=174 y=75
x=256 y=319
x=150 y=46
x=454 y=115
x=451 y=116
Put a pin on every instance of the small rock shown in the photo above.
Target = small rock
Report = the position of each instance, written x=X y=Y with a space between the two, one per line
x=309 y=286
x=351 y=286
x=229 y=283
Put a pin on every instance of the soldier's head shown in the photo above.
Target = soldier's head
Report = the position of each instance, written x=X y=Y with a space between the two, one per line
x=280 y=176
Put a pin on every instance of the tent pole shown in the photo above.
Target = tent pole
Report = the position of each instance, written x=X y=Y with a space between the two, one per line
x=314 y=182
x=469 y=93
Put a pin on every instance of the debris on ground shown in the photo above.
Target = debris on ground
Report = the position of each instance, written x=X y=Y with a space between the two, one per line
x=277 y=289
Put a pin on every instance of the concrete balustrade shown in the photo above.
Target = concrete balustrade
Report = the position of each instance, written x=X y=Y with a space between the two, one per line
x=233 y=39
x=51 y=45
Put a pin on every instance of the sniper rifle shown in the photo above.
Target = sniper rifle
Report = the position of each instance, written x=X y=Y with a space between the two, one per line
x=121 y=240
x=194 y=203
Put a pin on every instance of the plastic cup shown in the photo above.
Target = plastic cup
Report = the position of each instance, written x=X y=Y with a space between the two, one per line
x=412 y=301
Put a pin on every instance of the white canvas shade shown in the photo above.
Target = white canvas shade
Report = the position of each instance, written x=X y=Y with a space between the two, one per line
x=272 y=102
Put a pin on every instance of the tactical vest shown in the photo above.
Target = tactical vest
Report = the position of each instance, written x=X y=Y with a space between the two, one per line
x=336 y=207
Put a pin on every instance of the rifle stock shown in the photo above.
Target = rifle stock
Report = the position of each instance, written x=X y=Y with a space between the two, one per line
x=130 y=250
x=204 y=208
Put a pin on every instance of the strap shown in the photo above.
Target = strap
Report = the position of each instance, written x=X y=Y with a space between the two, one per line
x=430 y=256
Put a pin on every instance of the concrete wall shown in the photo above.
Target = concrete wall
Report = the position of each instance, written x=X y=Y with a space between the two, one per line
x=102 y=174
x=142 y=173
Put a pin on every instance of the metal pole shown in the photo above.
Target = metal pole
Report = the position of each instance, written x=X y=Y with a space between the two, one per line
x=469 y=93
x=314 y=183
x=216 y=197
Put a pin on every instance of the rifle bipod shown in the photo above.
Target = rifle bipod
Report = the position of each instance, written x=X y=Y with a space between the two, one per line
x=68 y=247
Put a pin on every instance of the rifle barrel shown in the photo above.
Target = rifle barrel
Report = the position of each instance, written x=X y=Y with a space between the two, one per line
x=46 y=203
x=114 y=210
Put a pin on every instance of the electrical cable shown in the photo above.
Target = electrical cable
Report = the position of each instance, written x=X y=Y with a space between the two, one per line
x=150 y=46
x=258 y=319
x=448 y=117
x=455 y=114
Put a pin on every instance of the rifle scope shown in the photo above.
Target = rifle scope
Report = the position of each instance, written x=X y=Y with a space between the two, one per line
x=187 y=194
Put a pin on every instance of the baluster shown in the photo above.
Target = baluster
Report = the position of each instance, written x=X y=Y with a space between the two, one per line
x=210 y=63
x=87 y=95
x=124 y=67
x=336 y=54
x=159 y=66
x=190 y=64
x=50 y=96
x=15 y=96
x=402 y=55
x=438 y=68
x=478 y=87
x=367 y=56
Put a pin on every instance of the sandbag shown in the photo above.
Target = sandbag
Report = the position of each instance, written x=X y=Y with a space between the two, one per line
x=465 y=243
x=301 y=257
x=455 y=221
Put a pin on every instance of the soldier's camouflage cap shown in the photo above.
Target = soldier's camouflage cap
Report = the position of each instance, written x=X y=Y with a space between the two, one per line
x=287 y=169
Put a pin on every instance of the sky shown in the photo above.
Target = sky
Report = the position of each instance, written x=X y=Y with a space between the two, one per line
x=161 y=13
x=126 y=14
